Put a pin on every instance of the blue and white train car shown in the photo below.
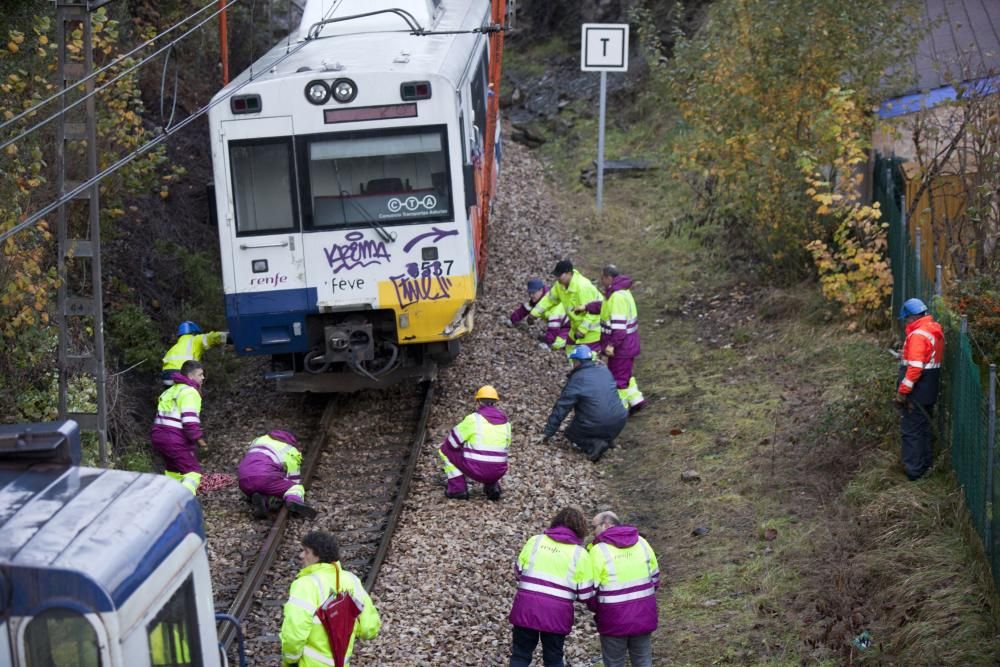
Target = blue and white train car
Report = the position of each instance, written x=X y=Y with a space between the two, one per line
x=354 y=167
x=98 y=568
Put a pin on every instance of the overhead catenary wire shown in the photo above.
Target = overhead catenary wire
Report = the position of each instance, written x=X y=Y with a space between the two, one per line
x=66 y=197
x=108 y=83
x=113 y=63
x=166 y=122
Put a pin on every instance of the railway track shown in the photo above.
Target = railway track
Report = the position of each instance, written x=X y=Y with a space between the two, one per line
x=357 y=472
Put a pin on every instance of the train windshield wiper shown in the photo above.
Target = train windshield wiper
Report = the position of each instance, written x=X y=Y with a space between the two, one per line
x=383 y=233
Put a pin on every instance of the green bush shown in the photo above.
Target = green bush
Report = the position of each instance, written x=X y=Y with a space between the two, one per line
x=750 y=88
x=135 y=337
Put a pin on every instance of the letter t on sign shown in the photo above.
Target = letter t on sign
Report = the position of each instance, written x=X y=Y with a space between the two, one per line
x=603 y=48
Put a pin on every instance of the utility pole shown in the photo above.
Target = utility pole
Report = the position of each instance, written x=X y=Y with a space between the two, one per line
x=80 y=307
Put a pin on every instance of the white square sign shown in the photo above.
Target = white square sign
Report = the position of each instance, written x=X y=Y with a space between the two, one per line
x=604 y=47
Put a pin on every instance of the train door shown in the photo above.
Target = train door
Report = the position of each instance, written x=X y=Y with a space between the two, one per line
x=262 y=212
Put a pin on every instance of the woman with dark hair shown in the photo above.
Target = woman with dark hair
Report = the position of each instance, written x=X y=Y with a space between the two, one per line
x=553 y=571
x=304 y=642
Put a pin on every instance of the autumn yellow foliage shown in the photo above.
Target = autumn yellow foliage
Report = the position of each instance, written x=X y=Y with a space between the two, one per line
x=853 y=267
x=751 y=92
x=28 y=279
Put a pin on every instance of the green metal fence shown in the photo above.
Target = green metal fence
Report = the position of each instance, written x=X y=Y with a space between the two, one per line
x=966 y=411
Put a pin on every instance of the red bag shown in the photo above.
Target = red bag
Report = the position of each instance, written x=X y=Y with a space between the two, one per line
x=337 y=614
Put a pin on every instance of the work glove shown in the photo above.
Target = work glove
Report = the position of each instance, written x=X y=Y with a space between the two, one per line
x=507 y=321
x=543 y=346
x=902 y=401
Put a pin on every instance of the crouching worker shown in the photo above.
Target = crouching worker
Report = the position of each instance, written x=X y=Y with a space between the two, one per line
x=176 y=434
x=477 y=447
x=598 y=413
x=270 y=474
x=553 y=571
x=309 y=638
x=556 y=320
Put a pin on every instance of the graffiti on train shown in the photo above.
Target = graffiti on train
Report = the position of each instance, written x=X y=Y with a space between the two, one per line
x=355 y=252
x=418 y=285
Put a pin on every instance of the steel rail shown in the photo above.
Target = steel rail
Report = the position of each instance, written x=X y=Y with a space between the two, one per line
x=419 y=436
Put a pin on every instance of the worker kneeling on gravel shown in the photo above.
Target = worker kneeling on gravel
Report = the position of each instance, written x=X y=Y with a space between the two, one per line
x=306 y=638
x=176 y=434
x=477 y=447
x=626 y=576
x=191 y=344
x=271 y=473
x=598 y=413
x=556 y=319
x=553 y=570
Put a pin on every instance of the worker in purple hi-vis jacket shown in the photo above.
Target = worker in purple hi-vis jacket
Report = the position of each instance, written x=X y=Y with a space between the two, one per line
x=270 y=474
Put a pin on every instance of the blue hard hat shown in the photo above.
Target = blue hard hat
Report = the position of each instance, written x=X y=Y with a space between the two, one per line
x=534 y=285
x=581 y=352
x=188 y=327
x=912 y=307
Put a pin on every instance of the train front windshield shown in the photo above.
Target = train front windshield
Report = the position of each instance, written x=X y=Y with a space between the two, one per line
x=354 y=179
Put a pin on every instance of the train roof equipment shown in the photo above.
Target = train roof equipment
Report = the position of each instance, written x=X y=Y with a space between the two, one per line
x=96 y=533
x=375 y=36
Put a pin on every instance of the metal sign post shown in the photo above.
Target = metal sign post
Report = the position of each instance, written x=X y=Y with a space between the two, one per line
x=603 y=48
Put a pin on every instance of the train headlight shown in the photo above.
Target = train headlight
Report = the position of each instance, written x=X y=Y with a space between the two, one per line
x=317 y=92
x=344 y=90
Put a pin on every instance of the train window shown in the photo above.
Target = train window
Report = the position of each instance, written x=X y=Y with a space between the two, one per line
x=478 y=83
x=61 y=638
x=173 y=634
x=262 y=186
x=355 y=178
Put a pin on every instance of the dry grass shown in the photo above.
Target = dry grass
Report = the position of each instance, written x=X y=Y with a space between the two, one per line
x=785 y=414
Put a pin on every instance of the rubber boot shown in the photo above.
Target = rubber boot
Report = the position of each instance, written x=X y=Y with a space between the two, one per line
x=492 y=491
x=600 y=446
x=259 y=504
x=298 y=509
x=457 y=495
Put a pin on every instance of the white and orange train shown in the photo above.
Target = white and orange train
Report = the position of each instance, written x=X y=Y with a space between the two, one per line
x=354 y=169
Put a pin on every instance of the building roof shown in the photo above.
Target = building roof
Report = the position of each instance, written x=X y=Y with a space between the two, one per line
x=961 y=44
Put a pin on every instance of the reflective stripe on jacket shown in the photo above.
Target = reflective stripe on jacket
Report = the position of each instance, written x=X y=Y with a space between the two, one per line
x=553 y=571
x=269 y=457
x=483 y=439
x=191 y=346
x=626 y=576
x=585 y=327
x=303 y=638
x=620 y=319
x=179 y=407
x=920 y=363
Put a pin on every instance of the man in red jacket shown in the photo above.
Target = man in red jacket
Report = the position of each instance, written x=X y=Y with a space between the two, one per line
x=919 y=381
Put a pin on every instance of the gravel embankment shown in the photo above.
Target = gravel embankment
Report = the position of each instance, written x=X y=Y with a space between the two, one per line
x=445 y=590
x=446 y=587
